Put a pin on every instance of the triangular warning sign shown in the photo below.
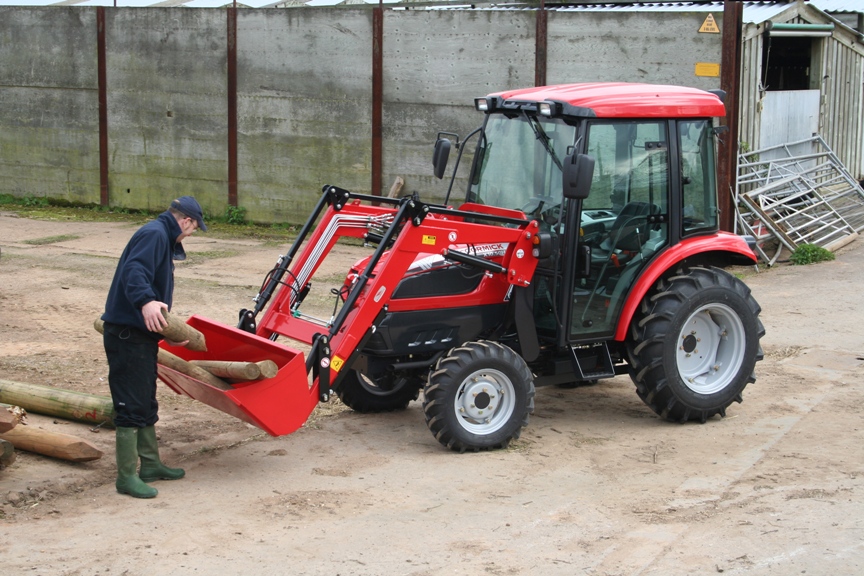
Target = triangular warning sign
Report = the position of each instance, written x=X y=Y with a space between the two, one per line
x=710 y=25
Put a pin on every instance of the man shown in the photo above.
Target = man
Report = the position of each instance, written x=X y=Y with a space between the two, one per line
x=143 y=286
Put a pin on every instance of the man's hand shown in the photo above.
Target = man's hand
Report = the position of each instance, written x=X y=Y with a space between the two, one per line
x=172 y=343
x=153 y=319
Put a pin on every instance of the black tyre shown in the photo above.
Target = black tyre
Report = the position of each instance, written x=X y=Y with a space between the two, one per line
x=384 y=394
x=693 y=344
x=478 y=397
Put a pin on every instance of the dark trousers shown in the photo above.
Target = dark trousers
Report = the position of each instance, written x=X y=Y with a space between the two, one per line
x=132 y=375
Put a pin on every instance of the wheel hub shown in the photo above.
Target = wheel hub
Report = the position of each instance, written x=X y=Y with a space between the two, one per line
x=484 y=401
x=711 y=348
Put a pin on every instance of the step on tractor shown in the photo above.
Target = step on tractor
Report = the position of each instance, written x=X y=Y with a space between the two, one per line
x=587 y=246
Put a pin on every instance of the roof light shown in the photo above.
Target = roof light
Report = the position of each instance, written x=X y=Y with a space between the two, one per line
x=549 y=108
x=481 y=104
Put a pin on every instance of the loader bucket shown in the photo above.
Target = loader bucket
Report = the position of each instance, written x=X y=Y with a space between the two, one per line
x=278 y=405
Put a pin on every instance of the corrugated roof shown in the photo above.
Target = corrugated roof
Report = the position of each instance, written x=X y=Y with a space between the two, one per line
x=754 y=11
x=839 y=5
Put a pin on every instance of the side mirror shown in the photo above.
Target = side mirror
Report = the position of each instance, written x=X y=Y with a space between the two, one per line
x=440 y=157
x=578 y=173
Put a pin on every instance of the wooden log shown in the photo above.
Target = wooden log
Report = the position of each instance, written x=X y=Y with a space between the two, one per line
x=396 y=188
x=176 y=363
x=57 y=402
x=178 y=331
x=54 y=444
x=7 y=453
x=245 y=371
x=8 y=418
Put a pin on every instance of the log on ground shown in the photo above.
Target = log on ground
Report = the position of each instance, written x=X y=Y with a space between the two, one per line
x=58 y=402
x=9 y=417
x=54 y=444
x=7 y=453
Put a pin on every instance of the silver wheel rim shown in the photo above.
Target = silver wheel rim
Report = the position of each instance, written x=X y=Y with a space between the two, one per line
x=710 y=348
x=484 y=401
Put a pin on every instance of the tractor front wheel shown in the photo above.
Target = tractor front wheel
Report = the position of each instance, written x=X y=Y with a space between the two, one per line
x=694 y=343
x=478 y=397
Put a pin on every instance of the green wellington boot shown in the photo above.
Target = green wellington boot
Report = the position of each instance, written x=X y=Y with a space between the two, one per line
x=151 y=466
x=128 y=481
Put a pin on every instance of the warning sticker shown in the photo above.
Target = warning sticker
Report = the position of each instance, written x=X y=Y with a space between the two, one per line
x=336 y=363
x=427 y=239
x=709 y=26
x=707 y=69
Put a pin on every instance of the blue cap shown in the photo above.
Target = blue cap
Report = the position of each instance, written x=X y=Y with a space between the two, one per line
x=190 y=207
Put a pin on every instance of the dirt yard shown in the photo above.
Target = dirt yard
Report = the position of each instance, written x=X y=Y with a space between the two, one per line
x=596 y=485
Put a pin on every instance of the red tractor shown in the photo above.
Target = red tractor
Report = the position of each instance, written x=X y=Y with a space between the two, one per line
x=587 y=246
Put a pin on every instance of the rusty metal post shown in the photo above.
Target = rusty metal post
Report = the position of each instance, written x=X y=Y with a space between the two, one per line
x=730 y=80
x=540 y=45
x=377 y=96
x=102 y=89
x=232 y=105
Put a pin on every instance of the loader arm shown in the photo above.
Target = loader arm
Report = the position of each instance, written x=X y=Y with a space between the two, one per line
x=404 y=229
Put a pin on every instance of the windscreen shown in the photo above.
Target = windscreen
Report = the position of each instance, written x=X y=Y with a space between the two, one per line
x=518 y=162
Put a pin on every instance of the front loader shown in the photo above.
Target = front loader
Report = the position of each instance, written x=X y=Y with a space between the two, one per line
x=587 y=246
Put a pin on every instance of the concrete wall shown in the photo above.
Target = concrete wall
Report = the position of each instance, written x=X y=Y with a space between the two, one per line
x=304 y=108
x=435 y=64
x=304 y=88
x=49 y=113
x=652 y=47
x=167 y=111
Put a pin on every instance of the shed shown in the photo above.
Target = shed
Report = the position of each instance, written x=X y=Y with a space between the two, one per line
x=802 y=73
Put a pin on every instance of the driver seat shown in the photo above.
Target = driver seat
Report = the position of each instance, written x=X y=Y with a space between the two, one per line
x=630 y=229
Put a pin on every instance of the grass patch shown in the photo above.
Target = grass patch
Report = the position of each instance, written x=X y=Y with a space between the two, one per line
x=810 y=254
x=200 y=257
x=231 y=224
x=51 y=239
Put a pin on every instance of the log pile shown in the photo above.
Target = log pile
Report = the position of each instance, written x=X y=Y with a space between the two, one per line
x=217 y=373
x=10 y=416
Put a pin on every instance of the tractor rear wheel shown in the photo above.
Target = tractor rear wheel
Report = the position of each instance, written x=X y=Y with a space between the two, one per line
x=694 y=343
x=386 y=393
x=478 y=397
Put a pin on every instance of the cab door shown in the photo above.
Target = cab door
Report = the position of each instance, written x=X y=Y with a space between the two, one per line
x=624 y=221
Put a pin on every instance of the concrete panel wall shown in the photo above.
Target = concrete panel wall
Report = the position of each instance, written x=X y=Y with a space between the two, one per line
x=633 y=47
x=167 y=109
x=304 y=96
x=435 y=64
x=49 y=115
x=304 y=108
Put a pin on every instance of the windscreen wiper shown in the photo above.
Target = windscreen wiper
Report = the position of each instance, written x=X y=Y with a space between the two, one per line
x=543 y=138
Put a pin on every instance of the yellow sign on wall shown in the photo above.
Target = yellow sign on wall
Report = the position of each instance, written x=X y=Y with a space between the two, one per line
x=709 y=26
x=707 y=69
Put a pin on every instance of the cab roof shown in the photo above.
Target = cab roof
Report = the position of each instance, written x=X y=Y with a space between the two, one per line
x=620 y=100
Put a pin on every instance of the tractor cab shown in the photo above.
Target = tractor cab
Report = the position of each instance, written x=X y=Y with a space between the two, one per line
x=652 y=185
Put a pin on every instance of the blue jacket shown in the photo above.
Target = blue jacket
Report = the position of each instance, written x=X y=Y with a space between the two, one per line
x=145 y=272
